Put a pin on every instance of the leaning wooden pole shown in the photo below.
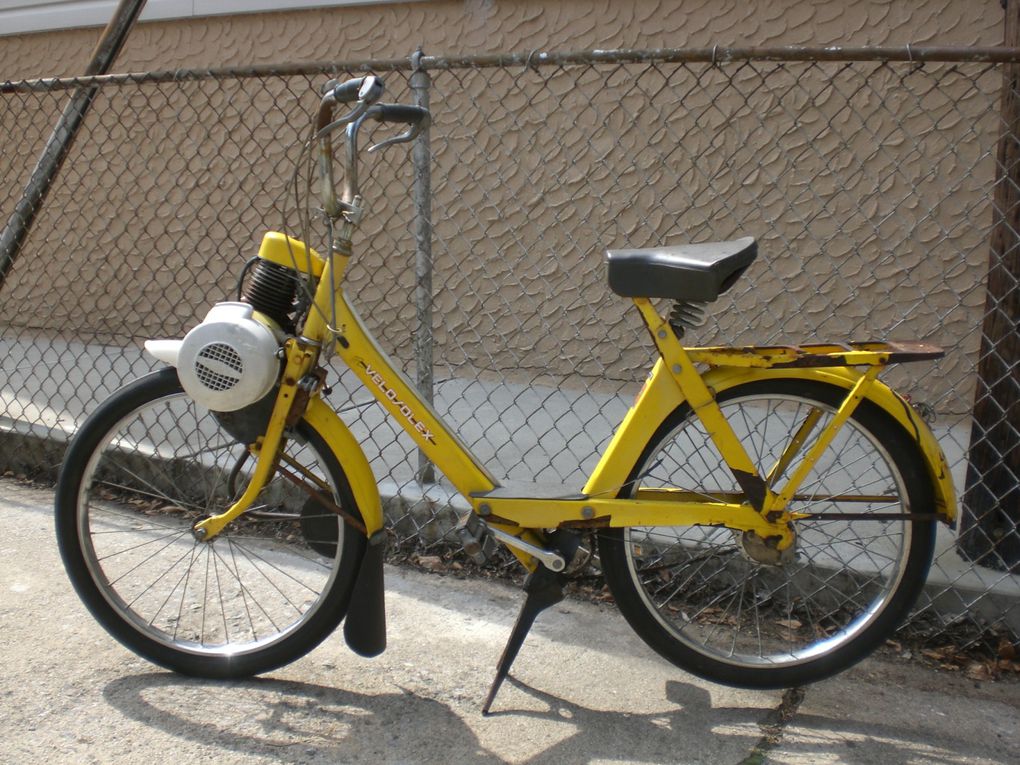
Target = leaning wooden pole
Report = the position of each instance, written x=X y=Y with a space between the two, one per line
x=60 y=141
x=990 y=521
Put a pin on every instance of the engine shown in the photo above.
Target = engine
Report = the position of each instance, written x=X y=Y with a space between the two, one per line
x=229 y=360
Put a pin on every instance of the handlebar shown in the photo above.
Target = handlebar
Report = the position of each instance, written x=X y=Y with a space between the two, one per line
x=401 y=113
x=364 y=92
x=369 y=89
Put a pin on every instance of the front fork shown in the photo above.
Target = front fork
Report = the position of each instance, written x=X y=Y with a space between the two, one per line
x=290 y=402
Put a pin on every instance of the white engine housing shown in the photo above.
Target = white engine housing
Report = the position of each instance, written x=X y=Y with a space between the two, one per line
x=228 y=361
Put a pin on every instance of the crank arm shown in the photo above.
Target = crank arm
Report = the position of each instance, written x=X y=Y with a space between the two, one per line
x=549 y=558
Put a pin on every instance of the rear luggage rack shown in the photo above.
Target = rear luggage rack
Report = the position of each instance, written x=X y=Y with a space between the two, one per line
x=816 y=355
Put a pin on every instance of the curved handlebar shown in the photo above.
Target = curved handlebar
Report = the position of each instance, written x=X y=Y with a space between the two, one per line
x=368 y=89
x=401 y=113
x=415 y=116
x=365 y=91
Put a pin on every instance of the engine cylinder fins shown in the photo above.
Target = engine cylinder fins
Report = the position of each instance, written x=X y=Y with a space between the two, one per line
x=271 y=289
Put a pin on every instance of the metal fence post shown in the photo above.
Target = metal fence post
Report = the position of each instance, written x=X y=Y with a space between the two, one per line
x=421 y=159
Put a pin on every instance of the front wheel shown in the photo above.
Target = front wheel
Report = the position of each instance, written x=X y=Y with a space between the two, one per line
x=274 y=583
x=699 y=596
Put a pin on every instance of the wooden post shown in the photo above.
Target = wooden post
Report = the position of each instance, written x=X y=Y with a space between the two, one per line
x=990 y=521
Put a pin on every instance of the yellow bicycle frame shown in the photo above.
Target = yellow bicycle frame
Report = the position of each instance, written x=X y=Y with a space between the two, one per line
x=674 y=381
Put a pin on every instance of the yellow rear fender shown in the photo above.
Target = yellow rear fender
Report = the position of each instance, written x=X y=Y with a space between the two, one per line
x=349 y=454
x=661 y=396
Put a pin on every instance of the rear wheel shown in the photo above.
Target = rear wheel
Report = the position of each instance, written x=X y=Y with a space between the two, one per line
x=699 y=596
x=265 y=591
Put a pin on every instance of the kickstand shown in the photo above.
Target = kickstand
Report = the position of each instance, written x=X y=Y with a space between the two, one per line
x=544 y=588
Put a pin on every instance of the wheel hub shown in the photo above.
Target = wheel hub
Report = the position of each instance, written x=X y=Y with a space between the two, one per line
x=766 y=550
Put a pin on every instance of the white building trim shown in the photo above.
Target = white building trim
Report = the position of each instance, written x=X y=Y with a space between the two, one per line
x=21 y=16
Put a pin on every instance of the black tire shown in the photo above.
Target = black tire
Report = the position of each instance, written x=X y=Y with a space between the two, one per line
x=141 y=470
x=697 y=598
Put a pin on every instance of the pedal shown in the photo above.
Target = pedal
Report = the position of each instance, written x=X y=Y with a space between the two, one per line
x=475 y=538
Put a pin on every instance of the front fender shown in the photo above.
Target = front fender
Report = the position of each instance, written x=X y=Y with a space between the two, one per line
x=661 y=396
x=348 y=452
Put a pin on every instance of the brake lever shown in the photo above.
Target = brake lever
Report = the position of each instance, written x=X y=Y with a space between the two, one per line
x=356 y=113
x=409 y=135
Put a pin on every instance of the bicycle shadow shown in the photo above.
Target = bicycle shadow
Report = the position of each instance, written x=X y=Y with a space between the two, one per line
x=300 y=722
x=296 y=722
x=812 y=737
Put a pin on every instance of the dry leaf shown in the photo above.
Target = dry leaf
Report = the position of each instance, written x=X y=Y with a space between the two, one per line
x=1007 y=650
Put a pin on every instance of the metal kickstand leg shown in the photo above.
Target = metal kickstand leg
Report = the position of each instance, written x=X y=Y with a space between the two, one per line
x=544 y=588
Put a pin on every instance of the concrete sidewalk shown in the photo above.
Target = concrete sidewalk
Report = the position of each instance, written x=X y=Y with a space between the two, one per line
x=586 y=690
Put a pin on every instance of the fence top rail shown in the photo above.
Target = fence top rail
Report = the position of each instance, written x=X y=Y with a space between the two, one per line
x=535 y=59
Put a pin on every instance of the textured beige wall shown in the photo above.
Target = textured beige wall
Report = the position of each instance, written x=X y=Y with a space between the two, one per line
x=536 y=173
x=480 y=26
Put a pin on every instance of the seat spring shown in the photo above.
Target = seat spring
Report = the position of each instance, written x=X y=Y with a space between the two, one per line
x=687 y=314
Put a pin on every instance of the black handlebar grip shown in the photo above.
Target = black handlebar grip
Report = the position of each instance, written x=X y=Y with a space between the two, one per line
x=351 y=90
x=402 y=113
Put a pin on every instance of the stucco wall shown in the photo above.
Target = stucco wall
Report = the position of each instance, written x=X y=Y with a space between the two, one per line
x=479 y=26
x=536 y=173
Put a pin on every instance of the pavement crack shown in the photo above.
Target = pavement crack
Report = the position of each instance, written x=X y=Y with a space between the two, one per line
x=773 y=726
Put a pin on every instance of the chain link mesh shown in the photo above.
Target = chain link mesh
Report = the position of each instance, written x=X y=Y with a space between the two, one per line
x=869 y=186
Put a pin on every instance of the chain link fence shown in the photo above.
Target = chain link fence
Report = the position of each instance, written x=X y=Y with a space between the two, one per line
x=868 y=183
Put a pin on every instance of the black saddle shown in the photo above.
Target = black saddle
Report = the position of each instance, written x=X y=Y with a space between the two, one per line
x=700 y=272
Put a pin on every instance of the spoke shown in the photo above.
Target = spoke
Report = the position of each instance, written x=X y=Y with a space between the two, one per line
x=175 y=536
x=249 y=553
x=757 y=628
x=245 y=593
x=205 y=600
x=758 y=444
x=736 y=629
x=272 y=584
x=152 y=495
x=144 y=560
x=206 y=450
x=154 y=581
x=796 y=445
x=732 y=590
x=292 y=548
x=152 y=621
x=677 y=587
x=184 y=593
x=156 y=493
x=219 y=593
x=806 y=601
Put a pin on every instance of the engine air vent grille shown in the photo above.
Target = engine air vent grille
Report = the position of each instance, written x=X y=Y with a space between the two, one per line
x=218 y=367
